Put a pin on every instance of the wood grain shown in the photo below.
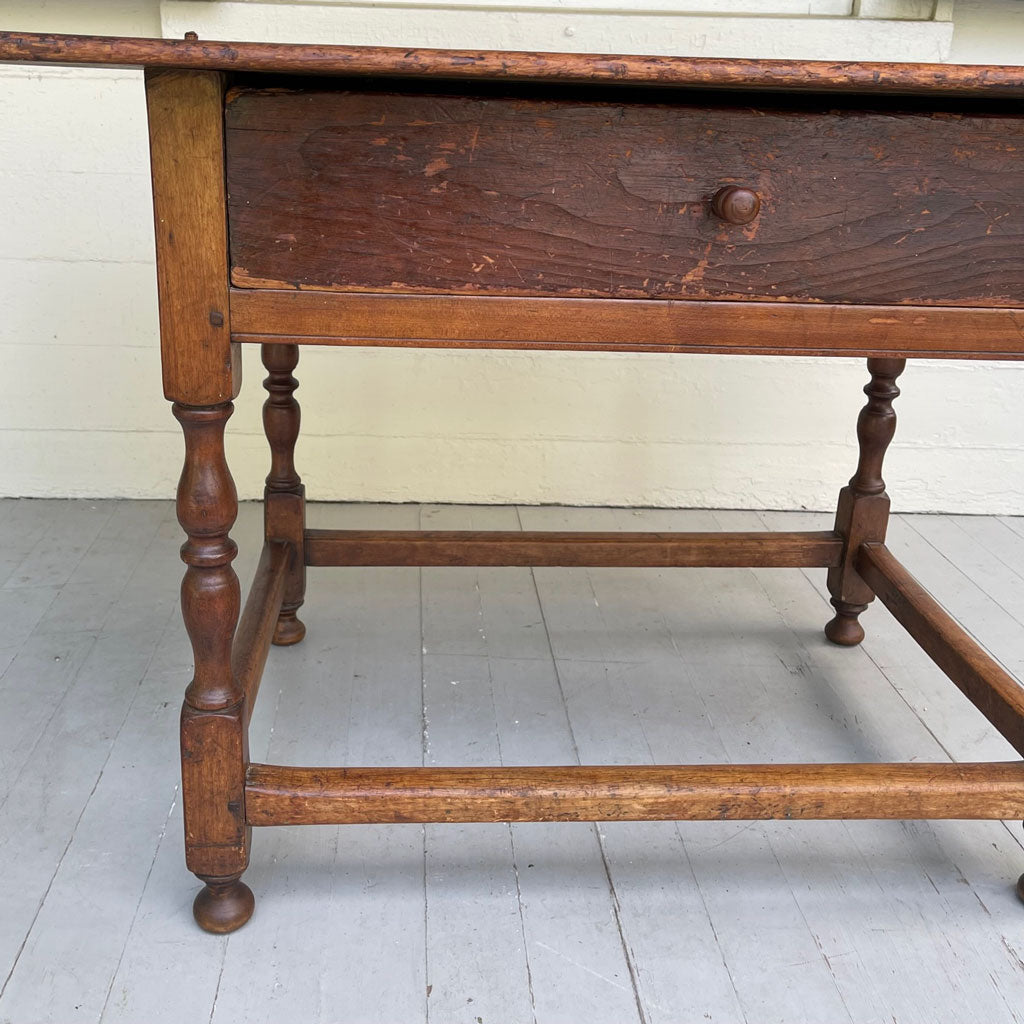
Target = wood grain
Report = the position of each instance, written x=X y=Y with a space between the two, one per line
x=276 y=795
x=375 y=61
x=284 y=497
x=259 y=617
x=555 y=548
x=201 y=366
x=985 y=683
x=862 y=512
x=623 y=325
x=214 y=738
x=613 y=197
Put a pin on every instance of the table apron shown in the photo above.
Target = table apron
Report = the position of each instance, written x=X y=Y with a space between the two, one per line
x=284 y=316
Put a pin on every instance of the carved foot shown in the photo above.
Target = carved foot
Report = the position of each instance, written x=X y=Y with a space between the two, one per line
x=289 y=629
x=844 y=629
x=223 y=904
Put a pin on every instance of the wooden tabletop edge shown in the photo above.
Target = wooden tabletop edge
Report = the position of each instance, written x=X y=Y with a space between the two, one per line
x=695 y=72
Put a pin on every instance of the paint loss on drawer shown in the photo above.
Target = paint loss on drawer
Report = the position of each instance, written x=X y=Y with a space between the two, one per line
x=509 y=194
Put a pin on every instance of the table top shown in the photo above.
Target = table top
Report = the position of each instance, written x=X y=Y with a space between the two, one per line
x=680 y=72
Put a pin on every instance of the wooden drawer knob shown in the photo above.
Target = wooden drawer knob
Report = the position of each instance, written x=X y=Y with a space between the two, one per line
x=736 y=205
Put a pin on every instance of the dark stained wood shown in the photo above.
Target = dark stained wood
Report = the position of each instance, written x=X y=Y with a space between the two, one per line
x=496 y=547
x=284 y=497
x=735 y=204
x=201 y=366
x=876 y=426
x=374 y=61
x=862 y=514
x=623 y=325
x=510 y=195
x=278 y=795
x=255 y=631
x=206 y=506
x=223 y=905
x=985 y=683
x=214 y=740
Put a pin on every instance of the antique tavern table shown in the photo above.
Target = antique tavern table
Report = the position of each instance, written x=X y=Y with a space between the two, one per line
x=366 y=196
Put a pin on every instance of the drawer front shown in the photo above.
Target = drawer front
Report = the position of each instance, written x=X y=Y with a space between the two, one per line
x=512 y=195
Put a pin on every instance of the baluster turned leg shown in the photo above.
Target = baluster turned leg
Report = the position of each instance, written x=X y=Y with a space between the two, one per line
x=863 y=511
x=284 y=498
x=214 y=746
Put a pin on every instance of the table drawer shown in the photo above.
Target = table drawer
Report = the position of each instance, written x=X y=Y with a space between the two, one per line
x=513 y=194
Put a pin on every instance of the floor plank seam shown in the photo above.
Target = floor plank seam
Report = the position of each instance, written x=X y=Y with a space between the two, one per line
x=996 y=554
x=138 y=904
x=424 y=754
x=616 y=909
x=522 y=922
x=88 y=800
x=49 y=886
x=967 y=580
x=41 y=732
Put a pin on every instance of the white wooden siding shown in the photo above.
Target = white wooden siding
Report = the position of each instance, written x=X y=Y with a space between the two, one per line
x=81 y=410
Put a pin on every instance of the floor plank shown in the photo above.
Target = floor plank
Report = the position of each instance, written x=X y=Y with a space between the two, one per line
x=571 y=950
x=662 y=707
x=348 y=694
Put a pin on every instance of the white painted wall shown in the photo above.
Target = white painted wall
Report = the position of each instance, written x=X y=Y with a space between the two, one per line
x=81 y=410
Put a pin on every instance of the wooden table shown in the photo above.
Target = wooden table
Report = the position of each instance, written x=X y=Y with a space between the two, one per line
x=363 y=196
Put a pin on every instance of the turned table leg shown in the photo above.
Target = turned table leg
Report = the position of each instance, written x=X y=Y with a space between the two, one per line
x=863 y=511
x=214 y=740
x=284 y=498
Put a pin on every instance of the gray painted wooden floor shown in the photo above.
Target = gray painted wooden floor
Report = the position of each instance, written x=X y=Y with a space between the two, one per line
x=491 y=924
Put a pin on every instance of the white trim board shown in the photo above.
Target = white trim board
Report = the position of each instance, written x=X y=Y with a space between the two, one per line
x=608 y=26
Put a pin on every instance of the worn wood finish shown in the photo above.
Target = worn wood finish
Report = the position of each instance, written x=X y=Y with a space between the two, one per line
x=863 y=510
x=375 y=61
x=613 y=197
x=332 y=796
x=551 y=548
x=201 y=365
x=570 y=218
x=985 y=683
x=256 y=627
x=214 y=740
x=623 y=325
x=284 y=497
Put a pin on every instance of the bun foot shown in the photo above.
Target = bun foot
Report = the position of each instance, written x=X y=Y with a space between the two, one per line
x=1020 y=887
x=289 y=629
x=844 y=629
x=223 y=905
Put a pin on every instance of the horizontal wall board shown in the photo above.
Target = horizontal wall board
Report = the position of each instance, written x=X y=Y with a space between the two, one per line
x=84 y=121
x=631 y=30
x=76 y=303
x=716 y=8
x=64 y=215
x=528 y=399
x=399 y=469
